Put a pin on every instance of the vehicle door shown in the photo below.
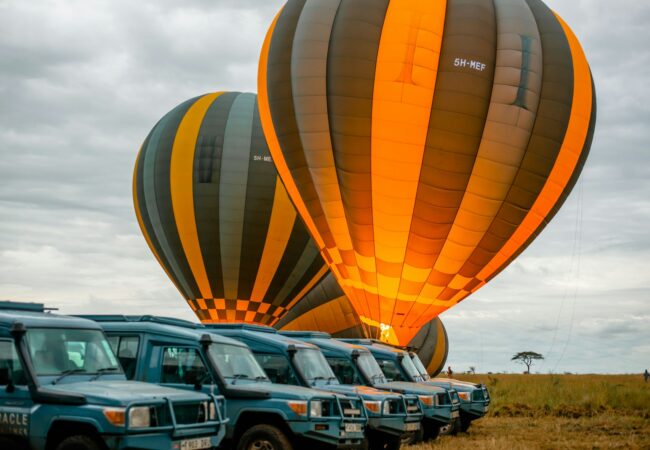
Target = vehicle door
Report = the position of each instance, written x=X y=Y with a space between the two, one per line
x=15 y=398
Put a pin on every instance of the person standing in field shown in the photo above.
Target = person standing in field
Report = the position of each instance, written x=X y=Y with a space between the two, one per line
x=646 y=375
x=451 y=372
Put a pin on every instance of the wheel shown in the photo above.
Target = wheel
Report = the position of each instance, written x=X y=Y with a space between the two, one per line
x=80 y=442
x=413 y=438
x=431 y=430
x=464 y=425
x=264 y=437
x=386 y=443
x=6 y=442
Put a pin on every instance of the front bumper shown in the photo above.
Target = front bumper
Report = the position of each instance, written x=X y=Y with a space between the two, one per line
x=474 y=410
x=155 y=441
x=173 y=435
x=337 y=429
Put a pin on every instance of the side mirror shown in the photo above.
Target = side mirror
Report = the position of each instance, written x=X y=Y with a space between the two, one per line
x=6 y=379
x=355 y=354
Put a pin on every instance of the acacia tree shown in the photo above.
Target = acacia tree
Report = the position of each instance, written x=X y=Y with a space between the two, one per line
x=527 y=359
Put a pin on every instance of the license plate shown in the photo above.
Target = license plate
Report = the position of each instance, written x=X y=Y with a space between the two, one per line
x=412 y=426
x=196 y=444
x=353 y=428
x=455 y=414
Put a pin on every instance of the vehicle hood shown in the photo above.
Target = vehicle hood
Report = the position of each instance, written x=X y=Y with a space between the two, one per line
x=365 y=392
x=121 y=393
x=464 y=385
x=282 y=391
x=406 y=387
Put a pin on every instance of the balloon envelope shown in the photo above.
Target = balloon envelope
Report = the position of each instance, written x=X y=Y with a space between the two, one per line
x=425 y=144
x=216 y=215
x=326 y=308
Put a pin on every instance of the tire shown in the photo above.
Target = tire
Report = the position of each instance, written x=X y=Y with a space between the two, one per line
x=80 y=442
x=464 y=425
x=413 y=438
x=9 y=443
x=385 y=443
x=431 y=430
x=264 y=437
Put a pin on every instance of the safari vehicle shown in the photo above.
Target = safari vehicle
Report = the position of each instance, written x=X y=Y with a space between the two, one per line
x=62 y=388
x=391 y=416
x=354 y=364
x=400 y=364
x=262 y=415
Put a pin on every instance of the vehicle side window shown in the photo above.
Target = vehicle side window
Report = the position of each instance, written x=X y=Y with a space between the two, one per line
x=390 y=369
x=277 y=368
x=344 y=371
x=126 y=349
x=114 y=341
x=127 y=354
x=10 y=368
x=182 y=365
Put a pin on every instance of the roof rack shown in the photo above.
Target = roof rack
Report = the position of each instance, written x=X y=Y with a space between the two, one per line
x=145 y=318
x=241 y=326
x=23 y=306
x=307 y=334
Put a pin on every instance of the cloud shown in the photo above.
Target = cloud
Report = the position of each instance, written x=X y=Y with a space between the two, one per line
x=83 y=82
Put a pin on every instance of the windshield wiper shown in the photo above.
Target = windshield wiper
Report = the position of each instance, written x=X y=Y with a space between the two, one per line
x=102 y=371
x=261 y=378
x=66 y=373
x=377 y=377
x=237 y=376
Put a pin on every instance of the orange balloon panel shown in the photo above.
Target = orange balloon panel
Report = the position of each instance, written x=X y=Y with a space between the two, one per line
x=326 y=308
x=424 y=143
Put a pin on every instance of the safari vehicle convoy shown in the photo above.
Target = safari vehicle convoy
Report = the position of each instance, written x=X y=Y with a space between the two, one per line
x=392 y=417
x=62 y=388
x=398 y=364
x=262 y=415
x=354 y=364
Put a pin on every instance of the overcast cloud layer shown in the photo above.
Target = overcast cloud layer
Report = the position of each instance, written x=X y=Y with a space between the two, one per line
x=82 y=82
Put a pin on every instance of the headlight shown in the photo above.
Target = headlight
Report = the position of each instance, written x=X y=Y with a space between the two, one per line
x=316 y=408
x=372 y=406
x=139 y=417
x=115 y=416
x=213 y=411
x=386 y=408
x=427 y=400
x=464 y=396
x=298 y=407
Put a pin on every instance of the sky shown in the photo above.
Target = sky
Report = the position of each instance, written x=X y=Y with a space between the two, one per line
x=82 y=82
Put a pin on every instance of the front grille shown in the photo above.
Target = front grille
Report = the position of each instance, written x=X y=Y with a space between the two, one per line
x=443 y=399
x=412 y=406
x=478 y=395
x=351 y=408
x=395 y=406
x=191 y=413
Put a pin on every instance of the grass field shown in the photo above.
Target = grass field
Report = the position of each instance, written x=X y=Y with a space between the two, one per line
x=558 y=412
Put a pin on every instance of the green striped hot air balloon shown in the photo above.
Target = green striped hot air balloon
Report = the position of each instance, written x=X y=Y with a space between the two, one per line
x=216 y=215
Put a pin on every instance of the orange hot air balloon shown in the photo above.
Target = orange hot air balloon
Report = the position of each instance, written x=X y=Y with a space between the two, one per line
x=425 y=143
x=216 y=215
x=326 y=308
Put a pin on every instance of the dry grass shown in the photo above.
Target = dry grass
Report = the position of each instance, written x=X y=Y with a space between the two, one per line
x=558 y=412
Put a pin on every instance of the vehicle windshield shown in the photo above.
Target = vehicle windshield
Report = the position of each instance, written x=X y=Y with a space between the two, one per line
x=235 y=363
x=410 y=368
x=368 y=365
x=420 y=366
x=57 y=351
x=313 y=366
